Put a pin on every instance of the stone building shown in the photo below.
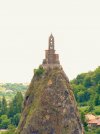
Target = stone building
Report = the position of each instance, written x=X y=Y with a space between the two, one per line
x=51 y=58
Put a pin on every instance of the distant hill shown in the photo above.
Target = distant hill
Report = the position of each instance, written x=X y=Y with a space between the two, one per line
x=9 y=90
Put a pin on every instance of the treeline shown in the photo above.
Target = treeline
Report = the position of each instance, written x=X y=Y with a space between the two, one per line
x=86 y=88
x=10 y=113
x=15 y=86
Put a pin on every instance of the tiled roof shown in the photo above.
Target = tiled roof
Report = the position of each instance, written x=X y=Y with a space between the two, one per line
x=95 y=121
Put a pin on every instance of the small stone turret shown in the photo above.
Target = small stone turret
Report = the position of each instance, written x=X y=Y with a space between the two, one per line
x=51 y=59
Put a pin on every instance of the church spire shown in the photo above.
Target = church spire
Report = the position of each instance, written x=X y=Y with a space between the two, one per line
x=51 y=42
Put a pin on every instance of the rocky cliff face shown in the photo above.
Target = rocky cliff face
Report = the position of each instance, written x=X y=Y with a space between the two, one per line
x=49 y=106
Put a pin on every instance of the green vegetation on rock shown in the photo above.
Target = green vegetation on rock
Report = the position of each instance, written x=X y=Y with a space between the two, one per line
x=39 y=71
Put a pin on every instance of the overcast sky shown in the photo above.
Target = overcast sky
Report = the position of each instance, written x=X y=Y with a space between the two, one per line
x=25 y=26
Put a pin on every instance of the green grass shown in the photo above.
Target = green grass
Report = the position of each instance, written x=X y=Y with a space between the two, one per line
x=96 y=110
x=83 y=108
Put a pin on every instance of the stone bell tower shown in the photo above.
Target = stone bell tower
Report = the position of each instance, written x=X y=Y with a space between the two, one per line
x=51 y=59
x=51 y=42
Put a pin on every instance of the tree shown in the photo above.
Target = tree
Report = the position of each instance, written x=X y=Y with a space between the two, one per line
x=16 y=105
x=3 y=106
x=18 y=100
x=96 y=76
x=4 y=122
x=84 y=120
x=98 y=89
x=16 y=119
x=39 y=71
x=81 y=96
x=0 y=105
x=87 y=82
x=11 y=110
x=79 y=79
x=98 y=131
x=97 y=100
x=91 y=107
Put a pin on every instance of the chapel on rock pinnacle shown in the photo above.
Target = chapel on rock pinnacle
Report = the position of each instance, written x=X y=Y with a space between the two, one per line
x=51 y=58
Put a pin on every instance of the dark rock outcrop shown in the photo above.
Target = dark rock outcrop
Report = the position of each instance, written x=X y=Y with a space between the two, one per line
x=49 y=106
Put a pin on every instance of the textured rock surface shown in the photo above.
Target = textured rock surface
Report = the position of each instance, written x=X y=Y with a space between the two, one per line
x=49 y=106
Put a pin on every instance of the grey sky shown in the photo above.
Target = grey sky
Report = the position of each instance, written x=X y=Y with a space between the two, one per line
x=25 y=26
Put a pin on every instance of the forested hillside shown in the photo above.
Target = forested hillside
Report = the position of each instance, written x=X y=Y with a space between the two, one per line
x=86 y=88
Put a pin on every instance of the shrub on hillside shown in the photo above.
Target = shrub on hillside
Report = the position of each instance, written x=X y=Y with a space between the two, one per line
x=39 y=71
